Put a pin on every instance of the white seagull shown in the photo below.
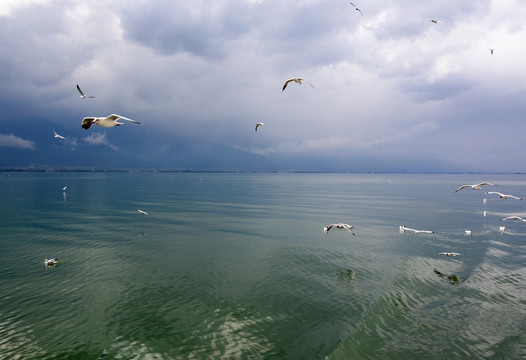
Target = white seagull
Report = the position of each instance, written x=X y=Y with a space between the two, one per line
x=339 y=226
x=109 y=121
x=504 y=196
x=449 y=253
x=64 y=188
x=296 y=80
x=404 y=228
x=474 y=186
x=356 y=8
x=50 y=262
x=502 y=228
x=142 y=212
x=514 y=217
x=57 y=135
x=258 y=125
x=469 y=232
x=82 y=96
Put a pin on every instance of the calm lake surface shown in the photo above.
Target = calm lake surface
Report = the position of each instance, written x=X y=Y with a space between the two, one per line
x=237 y=266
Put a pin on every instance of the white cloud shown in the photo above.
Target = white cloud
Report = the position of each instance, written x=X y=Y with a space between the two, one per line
x=13 y=141
x=8 y=7
x=99 y=139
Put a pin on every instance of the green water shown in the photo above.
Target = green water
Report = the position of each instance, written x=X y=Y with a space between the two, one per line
x=237 y=266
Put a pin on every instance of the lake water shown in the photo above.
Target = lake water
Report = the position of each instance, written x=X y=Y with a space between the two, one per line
x=237 y=266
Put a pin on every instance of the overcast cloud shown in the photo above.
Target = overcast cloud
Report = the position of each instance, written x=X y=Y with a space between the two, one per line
x=389 y=83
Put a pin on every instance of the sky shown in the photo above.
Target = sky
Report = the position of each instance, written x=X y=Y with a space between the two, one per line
x=389 y=85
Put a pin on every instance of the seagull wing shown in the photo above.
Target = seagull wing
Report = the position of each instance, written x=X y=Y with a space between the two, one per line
x=462 y=187
x=495 y=192
x=349 y=229
x=86 y=122
x=116 y=117
x=286 y=83
x=80 y=91
x=485 y=183
x=328 y=228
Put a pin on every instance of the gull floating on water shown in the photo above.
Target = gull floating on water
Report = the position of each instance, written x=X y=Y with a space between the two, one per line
x=82 y=96
x=339 y=226
x=356 y=8
x=504 y=196
x=449 y=253
x=142 y=212
x=404 y=228
x=514 y=217
x=258 y=125
x=474 y=186
x=57 y=135
x=109 y=121
x=469 y=232
x=296 y=80
x=50 y=262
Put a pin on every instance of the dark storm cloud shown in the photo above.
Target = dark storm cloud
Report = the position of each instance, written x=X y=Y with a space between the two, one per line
x=386 y=82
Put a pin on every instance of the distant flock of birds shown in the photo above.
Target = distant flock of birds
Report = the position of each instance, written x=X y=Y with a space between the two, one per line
x=469 y=232
x=342 y=226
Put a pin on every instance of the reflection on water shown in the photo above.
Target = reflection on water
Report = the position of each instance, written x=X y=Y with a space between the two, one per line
x=238 y=266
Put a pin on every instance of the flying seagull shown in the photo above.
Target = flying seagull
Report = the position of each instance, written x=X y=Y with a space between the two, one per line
x=468 y=232
x=64 y=188
x=404 y=228
x=50 y=262
x=474 y=186
x=142 y=212
x=514 y=218
x=434 y=21
x=109 y=121
x=491 y=51
x=504 y=196
x=449 y=253
x=296 y=80
x=82 y=96
x=339 y=226
x=258 y=125
x=57 y=135
x=356 y=8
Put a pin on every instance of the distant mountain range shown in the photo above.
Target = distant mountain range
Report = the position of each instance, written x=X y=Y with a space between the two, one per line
x=30 y=143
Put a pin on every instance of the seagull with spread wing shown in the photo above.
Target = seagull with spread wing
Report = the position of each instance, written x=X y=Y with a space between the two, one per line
x=108 y=121
x=404 y=228
x=474 y=186
x=82 y=96
x=57 y=135
x=356 y=8
x=340 y=226
x=514 y=217
x=504 y=196
x=297 y=80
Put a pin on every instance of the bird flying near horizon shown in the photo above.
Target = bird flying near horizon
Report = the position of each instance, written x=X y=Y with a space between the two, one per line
x=57 y=135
